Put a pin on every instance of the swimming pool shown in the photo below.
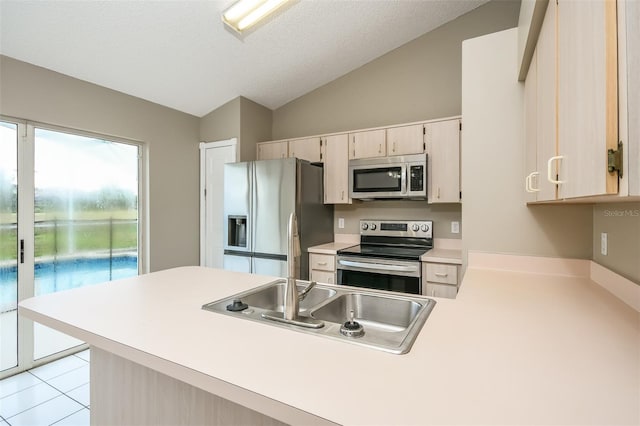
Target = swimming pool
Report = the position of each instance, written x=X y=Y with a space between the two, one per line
x=66 y=274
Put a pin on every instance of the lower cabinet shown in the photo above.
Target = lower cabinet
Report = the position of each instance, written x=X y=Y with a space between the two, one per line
x=440 y=279
x=322 y=267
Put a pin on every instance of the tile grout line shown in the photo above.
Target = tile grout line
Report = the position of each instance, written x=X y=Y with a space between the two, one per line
x=28 y=387
x=75 y=412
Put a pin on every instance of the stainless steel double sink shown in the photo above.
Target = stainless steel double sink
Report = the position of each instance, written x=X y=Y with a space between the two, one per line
x=391 y=321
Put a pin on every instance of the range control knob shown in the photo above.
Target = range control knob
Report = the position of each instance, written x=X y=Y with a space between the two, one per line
x=365 y=226
x=425 y=228
x=373 y=227
x=415 y=227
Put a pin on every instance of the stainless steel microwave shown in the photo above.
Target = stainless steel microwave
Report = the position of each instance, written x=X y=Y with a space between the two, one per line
x=403 y=176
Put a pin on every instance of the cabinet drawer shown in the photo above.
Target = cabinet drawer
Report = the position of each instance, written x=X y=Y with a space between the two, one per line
x=322 y=262
x=441 y=273
x=323 y=277
x=440 y=290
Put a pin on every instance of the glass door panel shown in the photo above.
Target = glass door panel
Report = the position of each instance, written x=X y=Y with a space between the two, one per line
x=86 y=218
x=8 y=245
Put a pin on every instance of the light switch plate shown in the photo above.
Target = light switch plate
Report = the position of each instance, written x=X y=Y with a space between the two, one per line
x=341 y=222
x=455 y=227
x=603 y=243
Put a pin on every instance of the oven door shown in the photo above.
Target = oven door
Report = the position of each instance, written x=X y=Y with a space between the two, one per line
x=381 y=274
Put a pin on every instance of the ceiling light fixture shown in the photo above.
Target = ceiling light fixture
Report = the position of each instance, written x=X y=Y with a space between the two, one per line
x=246 y=13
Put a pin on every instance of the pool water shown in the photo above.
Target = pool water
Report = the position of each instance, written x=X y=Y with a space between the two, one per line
x=66 y=274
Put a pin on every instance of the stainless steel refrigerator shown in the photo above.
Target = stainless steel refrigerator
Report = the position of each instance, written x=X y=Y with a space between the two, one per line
x=258 y=198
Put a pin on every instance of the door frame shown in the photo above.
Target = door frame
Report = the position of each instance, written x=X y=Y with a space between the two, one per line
x=204 y=146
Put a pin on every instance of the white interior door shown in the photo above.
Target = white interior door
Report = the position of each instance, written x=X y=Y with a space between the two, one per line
x=213 y=156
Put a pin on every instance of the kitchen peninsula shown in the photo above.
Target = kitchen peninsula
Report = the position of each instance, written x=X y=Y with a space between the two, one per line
x=513 y=348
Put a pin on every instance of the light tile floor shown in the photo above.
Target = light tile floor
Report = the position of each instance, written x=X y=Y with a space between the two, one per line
x=52 y=394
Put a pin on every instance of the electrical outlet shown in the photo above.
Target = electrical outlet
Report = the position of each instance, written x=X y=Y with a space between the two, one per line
x=455 y=227
x=603 y=243
x=341 y=222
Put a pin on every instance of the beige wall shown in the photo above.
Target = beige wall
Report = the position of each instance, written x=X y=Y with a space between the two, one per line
x=171 y=138
x=441 y=214
x=417 y=81
x=239 y=118
x=255 y=126
x=222 y=123
x=621 y=222
x=496 y=218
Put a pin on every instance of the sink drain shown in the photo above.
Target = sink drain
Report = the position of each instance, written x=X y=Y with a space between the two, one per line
x=352 y=328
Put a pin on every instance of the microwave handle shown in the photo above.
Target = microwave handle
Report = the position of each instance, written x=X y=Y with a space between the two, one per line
x=403 y=181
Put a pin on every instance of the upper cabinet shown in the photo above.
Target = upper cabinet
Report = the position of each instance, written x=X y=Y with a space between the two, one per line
x=272 y=150
x=587 y=96
x=336 y=169
x=576 y=103
x=442 y=140
x=309 y=149
x=405 y=140
x=367 y=144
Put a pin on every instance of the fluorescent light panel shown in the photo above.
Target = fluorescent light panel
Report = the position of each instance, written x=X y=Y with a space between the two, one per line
x=246 y=13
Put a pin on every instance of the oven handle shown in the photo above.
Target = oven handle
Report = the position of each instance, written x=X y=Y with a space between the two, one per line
x=377 y=266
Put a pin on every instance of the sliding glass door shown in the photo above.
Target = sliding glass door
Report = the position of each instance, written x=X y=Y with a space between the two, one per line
x=78 y=225
x=8 y=245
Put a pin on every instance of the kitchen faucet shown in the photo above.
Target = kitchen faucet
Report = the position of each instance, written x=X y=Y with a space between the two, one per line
x=291 y=296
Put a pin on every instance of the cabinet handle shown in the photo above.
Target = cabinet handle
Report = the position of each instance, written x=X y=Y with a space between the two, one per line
x=433 y=292
x=529 y=182
x=393 y=148
x=322 y=263
x=379 y=148
x=549 y=171
x=438 y=195
x=440 y=274
x=342 y=195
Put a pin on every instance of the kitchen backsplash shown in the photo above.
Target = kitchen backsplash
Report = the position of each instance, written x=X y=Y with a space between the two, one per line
x=441 y=214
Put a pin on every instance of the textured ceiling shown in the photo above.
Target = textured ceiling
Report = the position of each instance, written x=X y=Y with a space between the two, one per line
x=178 y=53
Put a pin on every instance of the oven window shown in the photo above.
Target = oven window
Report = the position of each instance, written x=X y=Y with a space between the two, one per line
x=384 y=179
x=379 y=281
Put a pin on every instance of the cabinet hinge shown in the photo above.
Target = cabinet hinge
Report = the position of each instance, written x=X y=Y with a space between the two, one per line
x=614 y=159
x=205 y=193
x=320 y=156
x=424 y=130
x=461 y=125
x=424 y=146
x=461 y=195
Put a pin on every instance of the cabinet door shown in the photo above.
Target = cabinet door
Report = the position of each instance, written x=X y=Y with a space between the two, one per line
x=272 y=150
x=587 y=96
x=546 y=117
x=440 y=290
x=336 y=169
x=307 y=149
x=323 y=277
x=405 y=140
x=367 y=144
x=443 y=169
x=532 y=174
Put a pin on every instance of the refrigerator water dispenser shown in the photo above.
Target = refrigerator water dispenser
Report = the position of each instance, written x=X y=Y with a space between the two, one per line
x=237 y=231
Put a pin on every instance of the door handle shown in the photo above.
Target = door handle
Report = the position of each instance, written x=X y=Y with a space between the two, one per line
x=21 y=251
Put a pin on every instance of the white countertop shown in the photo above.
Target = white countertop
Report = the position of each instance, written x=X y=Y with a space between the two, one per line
x=513 y=348
x=443 y=256
x=330 y=248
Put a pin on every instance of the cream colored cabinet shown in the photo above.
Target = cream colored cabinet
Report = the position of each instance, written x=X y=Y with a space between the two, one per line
x=273 y=150
x=443 y=168
x=540 y=113
x=405 y=140
x=367 y=144
x=322 y=267
x=576 y=91
x=440 y=279
x=309 y=149
x=587 y=97
x=336 y=169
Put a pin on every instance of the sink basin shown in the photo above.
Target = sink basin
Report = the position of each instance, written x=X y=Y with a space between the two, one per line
x=390 y=321
x=271 y=298
x=383 y=313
